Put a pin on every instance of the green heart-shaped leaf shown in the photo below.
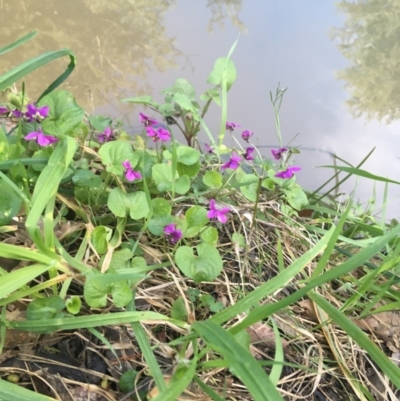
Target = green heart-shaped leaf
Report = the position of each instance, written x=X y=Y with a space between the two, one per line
x=206 y=266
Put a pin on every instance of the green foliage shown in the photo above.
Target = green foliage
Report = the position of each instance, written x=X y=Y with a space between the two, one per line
x=45 y=308
x=122 y=203
x=210 y=235
x=10 y=201
x=223 y=68
x=100 y=237
x=127 y=381
x=212 y=179
x=250 y=190
x=64 y=114
x=296 y=197
x=73 y=305
x=196 y=218
x=178 y=309
x=114 y=153
x=205 y=266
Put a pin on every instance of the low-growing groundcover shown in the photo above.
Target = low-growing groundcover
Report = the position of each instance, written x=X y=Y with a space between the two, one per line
x=144 y=268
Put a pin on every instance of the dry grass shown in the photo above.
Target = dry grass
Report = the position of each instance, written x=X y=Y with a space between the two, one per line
x=321 y=362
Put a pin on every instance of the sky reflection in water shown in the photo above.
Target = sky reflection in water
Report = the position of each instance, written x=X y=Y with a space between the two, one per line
x=133 y=48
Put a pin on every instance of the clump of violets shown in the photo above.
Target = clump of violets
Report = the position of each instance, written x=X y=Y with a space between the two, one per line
x=33 y=113
x=106 y=136
x=3 y=110
x=41 y=139
x=246 y=135
x=130 y=173
x=248 y=154
x=172 y=234
x=147 y=121
x=231 y=126
x=278 y=153
x=218 y=213
x=288 y=173
x=159 y=134
x=233 y=162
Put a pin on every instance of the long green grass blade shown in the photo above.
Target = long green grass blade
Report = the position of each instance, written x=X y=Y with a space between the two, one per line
x=27 y=291
x=242 y=364
x=262 y=312
x=47 y=186
x=209 y=391
x=331 y=246
x=337 y=184
x=11 y=282
x=10 y=391
x=148 y=354
x=362 y=173
x=19 y=72
x=387 y=366
x=279 y=358
x=72 y=323
x=17 y=43
x=252 y=299
x=10 y=251
x=6 y=165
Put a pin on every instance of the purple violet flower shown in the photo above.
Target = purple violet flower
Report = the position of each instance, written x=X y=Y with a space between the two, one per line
x=233 y=162
x=130 y=174
x=288 y=173
x=209 y=149
x=17 y=113
x=231 y=126
x=278 y=153
x=36 y=113
x=246 y=135
x=160 y=134
x=106 y=136
x=3 y=110
x=41 y=139
x=147 y=121
x=218 y=213
x=33 y=113
x=248 y=155
x=172 y=233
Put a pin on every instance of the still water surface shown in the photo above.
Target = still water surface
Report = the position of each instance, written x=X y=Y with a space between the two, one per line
x=133 y=47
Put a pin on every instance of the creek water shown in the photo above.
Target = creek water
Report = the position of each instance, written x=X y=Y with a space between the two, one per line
x=128 y=48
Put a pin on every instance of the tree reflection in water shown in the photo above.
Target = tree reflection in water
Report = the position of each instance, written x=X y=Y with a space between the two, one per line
x=370 y=40
x=116 y=42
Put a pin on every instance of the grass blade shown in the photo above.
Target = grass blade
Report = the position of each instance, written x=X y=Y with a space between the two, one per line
x=262 y=312
x=331 y=246
x=277 y=368
x=242 y=364
x=10 y=391
x=47 y=186
x=73 y=323
x=148 y=354
x=210 y=392
x=27 y=67
x=387 y=366
x=252 y=299
x=11 y=282
x=17 y=43
x=362 y=173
